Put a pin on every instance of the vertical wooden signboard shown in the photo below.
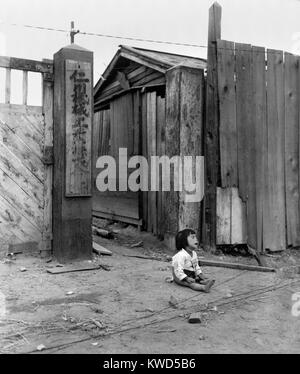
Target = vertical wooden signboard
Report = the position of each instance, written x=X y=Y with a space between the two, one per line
x=78 y=128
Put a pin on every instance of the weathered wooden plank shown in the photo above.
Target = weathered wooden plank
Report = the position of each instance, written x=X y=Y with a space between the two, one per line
x=211 y=131
x=29 y=159
x=223 y=215
x=172 y=146
x=117 y=217
x=18 y=224
x=7 y=86
x=23 y=203
x=260 y=122
x=143 y=62
x=48 y=169
x=137 y=72
x=14 y=168
x=238 y=219
x=73 y=268
x=274 y=226
x=128 y=109
x=228 y=129
x=24 y=109
x=151 y=127
x=7 y=237
x=106 y=132
x=96 y=144
x=120 y=203
x=78 y=128
x=36 y=121
x=246 y=137
x=190 y=143
x=25 y=64
x=161 y=122
x=24 y=131
x=145 y=154
x=243 y=114
x=292 y=99
x=100 y=250
x=136 y=123
x=25 y=87
x=231 y=265
x=147 y=79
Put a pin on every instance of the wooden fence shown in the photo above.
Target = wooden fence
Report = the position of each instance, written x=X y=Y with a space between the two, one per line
x=259 y=103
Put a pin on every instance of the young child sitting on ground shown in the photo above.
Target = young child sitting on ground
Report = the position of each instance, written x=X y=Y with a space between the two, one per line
x=186 y=270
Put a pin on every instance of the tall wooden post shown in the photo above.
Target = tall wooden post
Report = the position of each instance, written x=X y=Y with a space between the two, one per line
x=73 y=116
x=211 y=131
x=184 y=127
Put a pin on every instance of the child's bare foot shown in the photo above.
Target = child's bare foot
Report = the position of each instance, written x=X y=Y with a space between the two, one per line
x=209 y=284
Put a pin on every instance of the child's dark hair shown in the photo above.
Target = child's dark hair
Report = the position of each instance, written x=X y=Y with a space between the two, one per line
x=181 y=238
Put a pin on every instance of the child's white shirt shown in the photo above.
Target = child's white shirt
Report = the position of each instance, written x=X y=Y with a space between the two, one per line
x=183 y=261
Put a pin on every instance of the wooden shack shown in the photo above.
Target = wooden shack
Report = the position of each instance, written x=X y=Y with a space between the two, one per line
x=130 y=112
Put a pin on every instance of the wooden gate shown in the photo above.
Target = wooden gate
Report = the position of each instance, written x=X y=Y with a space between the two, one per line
x=26 y=140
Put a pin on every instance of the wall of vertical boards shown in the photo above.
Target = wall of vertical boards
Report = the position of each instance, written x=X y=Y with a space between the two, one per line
x=259 y=145
x=136 y=121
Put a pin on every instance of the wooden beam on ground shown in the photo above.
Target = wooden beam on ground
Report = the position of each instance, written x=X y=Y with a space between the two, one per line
x=230 y=265
x=72 y=268
x=211 y=135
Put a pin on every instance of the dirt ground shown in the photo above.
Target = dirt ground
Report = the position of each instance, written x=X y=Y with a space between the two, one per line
x=126 y=309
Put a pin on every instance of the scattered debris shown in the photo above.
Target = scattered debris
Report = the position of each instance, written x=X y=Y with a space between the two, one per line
x=12 y=254
x=159 y=331
x=201 y=337
x=40 y=347
x=162 y=269
x=145 y=310
x=23 y=269
x=169 y=279
x=97 y=310
x=173 y=302
x=97 y=248
x=195 y=318
x=214 y=309
x=104 y=233
x=8 y=262
x=105 y=267
x=138 y=244
x=99 y=324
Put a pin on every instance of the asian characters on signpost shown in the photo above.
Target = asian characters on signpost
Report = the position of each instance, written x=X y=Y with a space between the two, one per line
x=79 y=109
x=78 y=128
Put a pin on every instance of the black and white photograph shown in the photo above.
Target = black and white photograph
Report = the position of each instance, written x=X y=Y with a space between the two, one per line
x=149 y=179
